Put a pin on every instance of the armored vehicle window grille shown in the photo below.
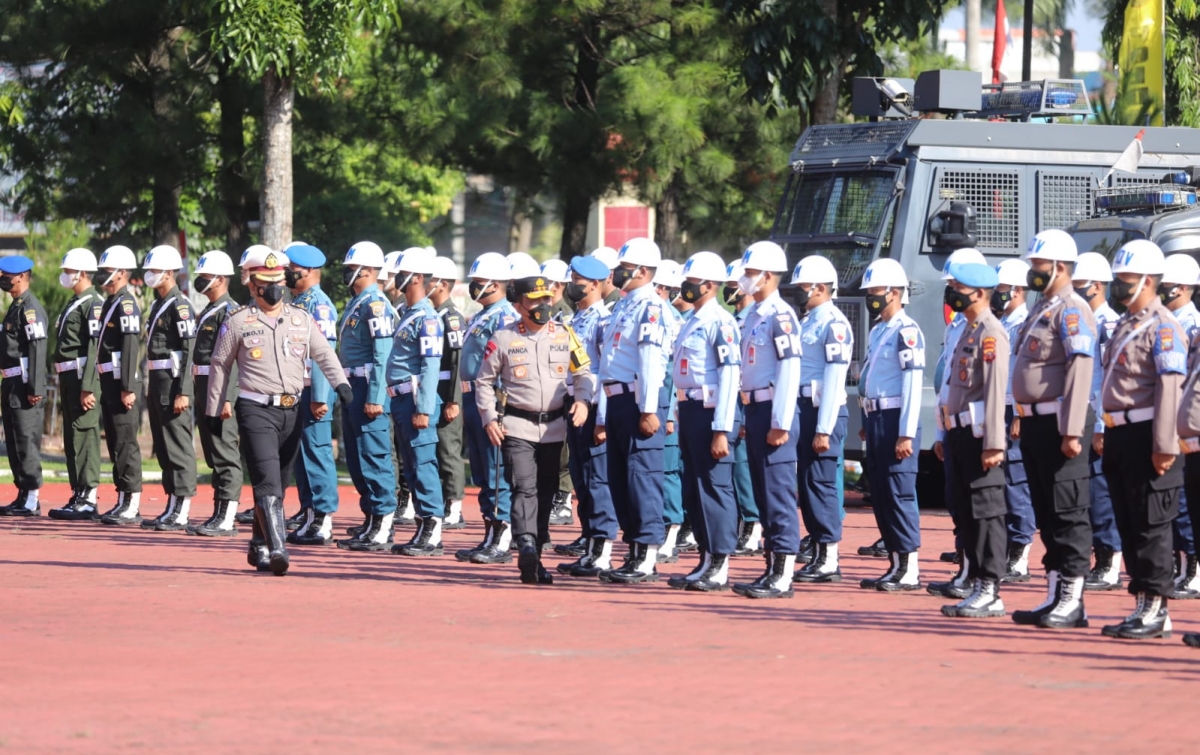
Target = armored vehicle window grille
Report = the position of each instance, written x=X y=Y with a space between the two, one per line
x=1139 y=180
x=853 y=310
x=835 y=204
x=1064 y=198
x=995 y=195
x=849 y=261
x=851 y=143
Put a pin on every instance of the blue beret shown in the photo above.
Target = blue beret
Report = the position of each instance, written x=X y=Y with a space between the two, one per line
x=590 y=268
x=974 y=275
x=14 y=264
x=305 y=255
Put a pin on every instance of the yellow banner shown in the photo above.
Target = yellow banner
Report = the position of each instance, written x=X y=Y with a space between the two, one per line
x=1142 y=60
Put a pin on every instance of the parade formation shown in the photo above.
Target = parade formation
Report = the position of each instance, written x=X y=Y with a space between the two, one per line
x=691 y=408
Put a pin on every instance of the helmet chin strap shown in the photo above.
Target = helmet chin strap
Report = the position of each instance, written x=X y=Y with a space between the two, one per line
x=1138 y=290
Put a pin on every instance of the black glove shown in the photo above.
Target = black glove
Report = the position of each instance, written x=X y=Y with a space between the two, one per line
x=213 y=424
x=345 y=393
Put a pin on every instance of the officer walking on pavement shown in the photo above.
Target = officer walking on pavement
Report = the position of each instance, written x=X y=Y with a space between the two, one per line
x=170 y=328
x=271 y=344
x=315 y=468
x=78 y=328
x=214 y=270
x=450 y=421
x=828 y=343
x=1090 y=281
x=890 y=391
x=1052 y=366
x=707 y=376
x=750 y=531
x=23 y=367
x=1144 y=369
x=118 y=359
x=533 y=359
x=364 y=343
x=770 y=384
x=666 y=282
x=973 y=416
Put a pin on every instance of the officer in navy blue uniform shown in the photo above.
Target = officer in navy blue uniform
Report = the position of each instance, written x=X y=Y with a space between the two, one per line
x=666 y=283
x=364 y=343
x=750 y=531
x=890 y=391
x=632 y=370
x=770 y=384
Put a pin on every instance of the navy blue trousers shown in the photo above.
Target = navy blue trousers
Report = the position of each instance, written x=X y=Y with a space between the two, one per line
x=589 y=473
x=495 y=498
x=893 y=483
x=418 y=448
x=1104 y=521
x=1020 y=520
x=821 y=498
x=635 y=472
x=773 y=477
x=708 y=494
x=315 y=469
x=369 y=453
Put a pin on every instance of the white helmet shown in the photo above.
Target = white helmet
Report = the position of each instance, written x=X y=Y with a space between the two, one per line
x=291 y=244
x=734 y=271
x=816 y=269
x=258 y=251
x=262 y=256
x=1052 y=244
x=490 y=266
x=1139 y=256
x=706 y=266
x=556 y=270
x=765 y=255
x=1091 y=266
x=1013 y=273
x=964 y=256
x=118 y=258
x=641 y=252
x=163 y=257
x=668 y=275
x=215 y=262
x=364 y=254
x=445 y=269
x=416 y=259
x=885 y=272
x=79 y=259
x=1181 y=269
x=521 y=265
x=607 y=255
x=390 y=262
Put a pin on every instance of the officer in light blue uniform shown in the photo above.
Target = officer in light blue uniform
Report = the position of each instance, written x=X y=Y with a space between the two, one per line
x=364 y=343
x=412 y=383
x=890 y=397
x=666 y=283
x=489 y=276
x=770 y=383
x=750 y=535
x=632 y=371
x=828 y=342
x=315 y=469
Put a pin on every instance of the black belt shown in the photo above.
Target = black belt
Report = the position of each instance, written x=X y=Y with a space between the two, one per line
x=539 y=417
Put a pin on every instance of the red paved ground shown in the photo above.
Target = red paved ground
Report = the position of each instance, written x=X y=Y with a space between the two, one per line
x=120 y=641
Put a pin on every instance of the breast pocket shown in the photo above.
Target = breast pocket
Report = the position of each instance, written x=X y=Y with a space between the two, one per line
x=518 y=372
x=963 y=374
x=560 y=362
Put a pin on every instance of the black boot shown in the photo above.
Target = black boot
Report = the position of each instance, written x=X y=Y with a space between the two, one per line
x=317 y=530
x=125 y=513
x=378 y=537
x=297 y=520
x=1053 y=594
x=1149 y=621
x=561 y=514
x=79 y=509
x=905 y=578
x=489 y=528
x=1017 y=568
x=871 y=583
x=258 y=555
x=1191 y=639
x=823 y=567
x=740 y=588
x=750 y=540
x=575 y=549
x=1106 y=574
x=245 y=517
x=959 y=585
x=20 y=507
x=598 y=559
x=875 y=550
x=1187 y=586
x=808 y=550
x=680 y=581
x=715 y=578
x=497 y=551
x=275 y=530
x=405 y=513
x=951 y=557
x=220 y=524
x=778 y=583
x=1068 y=611
x=641 y=567
x=358 y=529
x=685 y=541
x=426 y=542
x=529 y=558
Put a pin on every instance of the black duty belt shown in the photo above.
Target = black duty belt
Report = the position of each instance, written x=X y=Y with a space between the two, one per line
x=539 y=417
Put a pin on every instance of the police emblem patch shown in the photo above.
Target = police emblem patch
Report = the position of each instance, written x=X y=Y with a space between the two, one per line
x=1072 y=321
x=431 y=328
x=30 y=316
x=377 y=308
x=297 y=320
x=127 y=307
x=1034 y=344
x=520 y=372
x=989 y=349
x=962 y=375
x=785 y=326
x=184 y=312
x=256 y=353
x=1166 y=338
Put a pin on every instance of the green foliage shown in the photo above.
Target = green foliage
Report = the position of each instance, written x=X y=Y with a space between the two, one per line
x=1115 y=112
x=1182 y=53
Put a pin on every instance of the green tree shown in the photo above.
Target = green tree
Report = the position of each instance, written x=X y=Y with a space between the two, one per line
x=1182 y=53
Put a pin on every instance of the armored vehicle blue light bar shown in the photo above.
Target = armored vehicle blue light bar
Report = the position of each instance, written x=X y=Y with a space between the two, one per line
x=1143 y=199
x=1049 y=98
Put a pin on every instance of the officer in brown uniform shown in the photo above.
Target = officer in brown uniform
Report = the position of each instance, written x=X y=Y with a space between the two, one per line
x=1051 y=385
x=1144 y=369
x=974 y=419
x=269 y=342
x=533 y=358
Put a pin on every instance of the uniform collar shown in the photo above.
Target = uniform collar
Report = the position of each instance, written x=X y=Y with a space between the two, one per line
x=173 y=292
x=645 y=292
x=711 y=309
x=89 y=291
x=821 y=309
x=1021 y=312
x=1186 y=311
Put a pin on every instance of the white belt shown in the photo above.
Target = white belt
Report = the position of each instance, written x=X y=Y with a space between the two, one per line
x=401 y=389
x=1128 y=417
x=762 y=394
x=706 y=394
x=159 y=364
x=616 y=389
x=806 y=391
x=468 y=386
x=962 y=419
x=71 y=364
x=1189 y=445
x=12 y=371
x=363 y=371
x=879 y=404
x=444 y=375
x=200 y=369
x=1030 y=410
x=107 y=367
x=286 y=400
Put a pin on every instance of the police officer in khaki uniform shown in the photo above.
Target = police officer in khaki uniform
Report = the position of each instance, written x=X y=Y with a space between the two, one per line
x=1051 y=386
x=1144 y=369
x=269 y=342
x=23 y=366
x=533 y=358
x=973 y=417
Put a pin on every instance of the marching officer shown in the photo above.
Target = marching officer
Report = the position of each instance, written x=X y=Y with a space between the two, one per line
x=1052 y=365
x=707 y=375
x=558 y=275
x=770 y=385
x=270 y=343
x=364 y=343
x=890 y=390
x=533 y=359
x=666 y=282
x=214 y=271
x=489 y=276
x=78 y=328
x=412 y=383
x=1090 y=281
x=23 y=367
x=632 y=371
x=315 y=469
x=750 y=531
x=450 y=421
x=118 y=359
x=1144 y=368
x=589 y=460
x=1180 y=276
x=828 y=343
x=974 y=419
x=1008 y=305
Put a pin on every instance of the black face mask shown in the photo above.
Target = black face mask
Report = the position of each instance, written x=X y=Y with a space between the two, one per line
x=957 y=301
x=574 y=292
x=107 y=279
x=876 y=303
x=732 y=295
x=800 y=298
x=1168 y=292
x=1000 y=301
x=272 y=293
x=1038 y=280
x=1083 y=293
x=350 y=274
x=401 y=286
x=203 y=284
x=475 y=290
x=539 y=314
x=291 y=278
x=1119 y=291
x=691 y=291
x=621 y=276
x=6 y=283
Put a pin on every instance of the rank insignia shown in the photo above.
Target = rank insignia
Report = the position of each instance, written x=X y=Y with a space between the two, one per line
x=489 y=349
x=256 y=353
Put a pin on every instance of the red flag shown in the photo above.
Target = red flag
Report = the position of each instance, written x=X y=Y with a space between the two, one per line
x=999 y=42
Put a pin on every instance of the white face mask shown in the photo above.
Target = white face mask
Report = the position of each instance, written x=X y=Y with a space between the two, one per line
x=67 y=280
x=750 y=286
x=153 y=278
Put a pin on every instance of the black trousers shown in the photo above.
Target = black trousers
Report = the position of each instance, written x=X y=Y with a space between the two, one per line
x=1060 y=489
x=121 y=427
x=531 y=471
x=22 y=433
x=1144 y=504
x=980 y=498
x=270 y=439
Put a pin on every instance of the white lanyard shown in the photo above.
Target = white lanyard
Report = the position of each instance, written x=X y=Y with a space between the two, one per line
x=212 y=312
x=354 y=305
x=158 y=314
x=108 y=317
x=62 y=320
x=1150 y=320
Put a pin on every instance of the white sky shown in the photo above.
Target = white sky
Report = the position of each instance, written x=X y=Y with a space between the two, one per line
x=1087 y=28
